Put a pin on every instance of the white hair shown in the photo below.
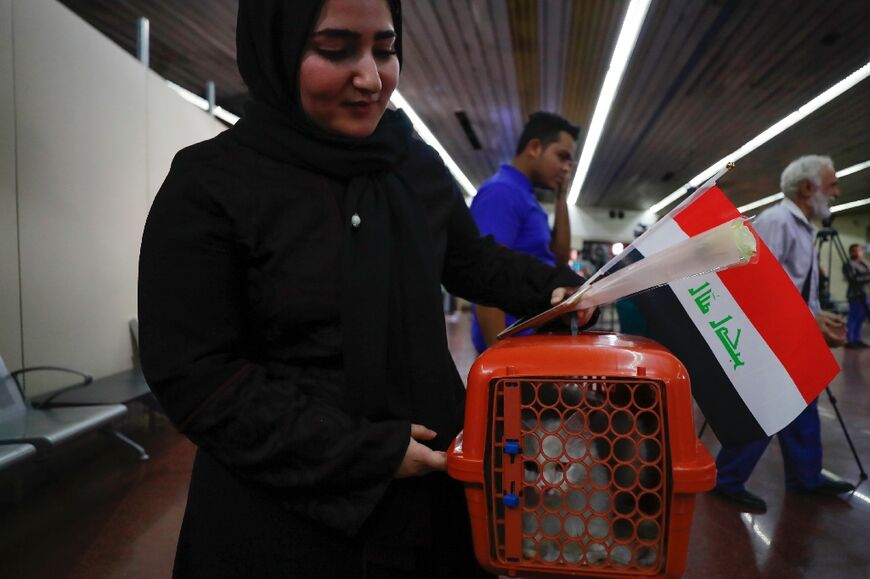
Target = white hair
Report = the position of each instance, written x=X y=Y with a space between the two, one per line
x=809 y=168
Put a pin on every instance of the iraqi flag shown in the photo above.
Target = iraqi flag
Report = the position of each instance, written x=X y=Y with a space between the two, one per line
x=752 y=347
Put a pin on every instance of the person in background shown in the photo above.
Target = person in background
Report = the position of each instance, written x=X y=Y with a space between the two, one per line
x=857 y=273
x=506 y=208
x=810 y=185
x=291 y=321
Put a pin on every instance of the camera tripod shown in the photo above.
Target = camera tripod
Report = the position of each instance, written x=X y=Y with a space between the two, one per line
x=829 y=235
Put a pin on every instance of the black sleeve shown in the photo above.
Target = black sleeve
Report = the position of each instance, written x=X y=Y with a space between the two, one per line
x=192 y=305
x=484 y=272
x=856 y=276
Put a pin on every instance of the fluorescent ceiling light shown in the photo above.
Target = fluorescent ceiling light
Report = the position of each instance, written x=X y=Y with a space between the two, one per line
x=400 y=103
x=225 y=115
x=766 y=135
x=853 y=169
x=840 y=174
x=850 y=205
x=631 y=26
x=761 y=202
x=190 y=97
x=201 y=103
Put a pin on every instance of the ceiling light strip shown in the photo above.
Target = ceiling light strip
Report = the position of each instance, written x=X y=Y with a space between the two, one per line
x=771 y=132
x=628 y=34
x=199 y=102
x=225 y=115
x=777 y=196
x=400 y=103
x=850 y=205
x=853 y=169
x=190 y=97
x=761 y=202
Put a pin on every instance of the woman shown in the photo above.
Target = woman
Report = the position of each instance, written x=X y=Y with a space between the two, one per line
x=290 y=312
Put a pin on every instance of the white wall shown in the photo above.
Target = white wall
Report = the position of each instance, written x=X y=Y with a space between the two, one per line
x=173 y=123
x=95 y=134
x=595 y=224
x=10 y=313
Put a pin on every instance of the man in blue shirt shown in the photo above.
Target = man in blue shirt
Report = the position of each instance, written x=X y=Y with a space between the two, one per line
x=506 y=208
x=809 y=185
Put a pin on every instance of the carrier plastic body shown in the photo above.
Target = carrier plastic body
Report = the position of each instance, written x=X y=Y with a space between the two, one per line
x=579 y=457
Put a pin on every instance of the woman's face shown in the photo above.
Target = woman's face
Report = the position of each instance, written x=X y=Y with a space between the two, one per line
x=349 y=68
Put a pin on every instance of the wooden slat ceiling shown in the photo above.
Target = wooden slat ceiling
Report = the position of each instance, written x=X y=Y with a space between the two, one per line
x=726 y=72
x=192 y=41
x=705 y=77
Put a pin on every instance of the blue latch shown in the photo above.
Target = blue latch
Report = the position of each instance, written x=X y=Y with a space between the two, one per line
x=512 y=447
x=511 y=501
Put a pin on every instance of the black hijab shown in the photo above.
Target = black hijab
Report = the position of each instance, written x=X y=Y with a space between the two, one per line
x=394 y=344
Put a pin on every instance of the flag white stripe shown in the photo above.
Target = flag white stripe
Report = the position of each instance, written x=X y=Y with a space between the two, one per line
x=762 y=381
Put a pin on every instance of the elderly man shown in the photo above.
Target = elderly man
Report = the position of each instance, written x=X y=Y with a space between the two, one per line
x=809 y=185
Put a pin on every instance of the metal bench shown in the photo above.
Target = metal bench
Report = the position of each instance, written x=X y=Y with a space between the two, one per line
x=46 y=427
x=123 y=387
x=14 y=453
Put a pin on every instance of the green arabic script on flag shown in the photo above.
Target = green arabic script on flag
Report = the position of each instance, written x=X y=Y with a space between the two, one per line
x=703 y=296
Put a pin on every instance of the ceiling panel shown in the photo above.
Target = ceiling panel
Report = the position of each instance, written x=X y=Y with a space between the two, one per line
x=705 y=77
x=525 y=43
x=840 y=130
x=594 y=29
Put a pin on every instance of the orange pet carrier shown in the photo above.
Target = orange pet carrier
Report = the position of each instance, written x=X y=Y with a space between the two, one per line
x=579 y=457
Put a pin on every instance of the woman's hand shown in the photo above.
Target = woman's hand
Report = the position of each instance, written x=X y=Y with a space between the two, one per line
x=420 y=459
x=560 y=293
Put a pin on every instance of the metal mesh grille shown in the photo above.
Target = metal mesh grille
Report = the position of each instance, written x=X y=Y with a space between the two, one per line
x=585 y=485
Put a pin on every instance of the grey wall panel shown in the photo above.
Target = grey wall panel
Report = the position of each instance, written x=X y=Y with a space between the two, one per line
x=82 y=183
x=173 y=124
x=10 y=312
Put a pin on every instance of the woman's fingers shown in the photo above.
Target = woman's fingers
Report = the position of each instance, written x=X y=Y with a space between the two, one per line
x=420 y=459
x=558 y=296
x=583 y=316
x=436 y=460
x=420 y=432
x=560 y=293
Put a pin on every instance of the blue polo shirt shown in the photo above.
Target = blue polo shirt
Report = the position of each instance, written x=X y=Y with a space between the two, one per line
x=506 y=208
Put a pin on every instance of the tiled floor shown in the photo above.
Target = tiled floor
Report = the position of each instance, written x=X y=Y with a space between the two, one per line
x=93 y=512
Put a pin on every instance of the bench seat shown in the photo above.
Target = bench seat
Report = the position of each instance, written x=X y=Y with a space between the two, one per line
x=14 y=453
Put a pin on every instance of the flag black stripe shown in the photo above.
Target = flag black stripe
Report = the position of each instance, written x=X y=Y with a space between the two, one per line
x=670 y=325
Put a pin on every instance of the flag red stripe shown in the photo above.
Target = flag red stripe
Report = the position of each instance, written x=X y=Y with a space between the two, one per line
x=770 y=299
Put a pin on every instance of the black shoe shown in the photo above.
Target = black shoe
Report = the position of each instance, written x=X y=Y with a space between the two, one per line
x=831 y=488
x=744 y=498
x=854 y=345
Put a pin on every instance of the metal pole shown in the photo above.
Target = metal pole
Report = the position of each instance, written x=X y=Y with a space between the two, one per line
x=862 y=473
x=142 y=40
x=210 y=96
